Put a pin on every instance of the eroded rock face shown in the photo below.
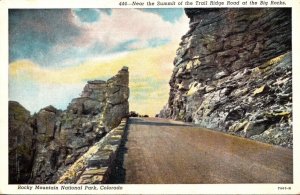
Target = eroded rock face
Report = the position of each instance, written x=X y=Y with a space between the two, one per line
x=233 y=73
x=20 y=143
x=52 y=140
x=117 y=95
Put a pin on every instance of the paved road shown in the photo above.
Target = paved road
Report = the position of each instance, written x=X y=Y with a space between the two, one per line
x=159 y=151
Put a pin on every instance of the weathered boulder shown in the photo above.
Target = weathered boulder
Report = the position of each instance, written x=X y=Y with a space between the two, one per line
x=117 y=96
x=95 y=89
x=113 y=114
x=45 y=145
x=85 y=106
x=46 y=122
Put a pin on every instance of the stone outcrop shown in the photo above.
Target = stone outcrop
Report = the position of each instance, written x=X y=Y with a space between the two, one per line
x=117 y=99
x=233 y=73
x=43 y=146
x=20 y=143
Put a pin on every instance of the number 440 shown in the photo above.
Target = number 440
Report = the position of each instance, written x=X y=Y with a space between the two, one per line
x=122 y=3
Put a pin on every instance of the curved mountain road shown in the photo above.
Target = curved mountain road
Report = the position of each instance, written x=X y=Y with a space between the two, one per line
x=160 y=151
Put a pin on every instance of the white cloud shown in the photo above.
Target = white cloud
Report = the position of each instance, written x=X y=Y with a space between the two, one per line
x=129 y=24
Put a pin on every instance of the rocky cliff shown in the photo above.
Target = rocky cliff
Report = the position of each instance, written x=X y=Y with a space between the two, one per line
x=233 y=73
x=43 y=146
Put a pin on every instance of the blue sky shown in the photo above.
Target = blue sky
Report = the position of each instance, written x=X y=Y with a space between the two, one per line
x=46 y=40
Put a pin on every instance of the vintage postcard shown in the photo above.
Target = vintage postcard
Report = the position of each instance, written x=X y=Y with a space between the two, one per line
x=167 y=95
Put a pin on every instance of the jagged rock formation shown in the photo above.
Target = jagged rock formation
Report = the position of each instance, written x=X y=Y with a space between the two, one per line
x=20 y=143
x=233 y=73
x=43 y=146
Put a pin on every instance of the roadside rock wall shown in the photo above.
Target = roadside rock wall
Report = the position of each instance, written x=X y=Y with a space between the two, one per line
x=233 y=73
x=55 y=139
x=94 y=167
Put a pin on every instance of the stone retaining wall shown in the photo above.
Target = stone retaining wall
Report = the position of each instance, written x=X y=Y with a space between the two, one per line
x=95 y=166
